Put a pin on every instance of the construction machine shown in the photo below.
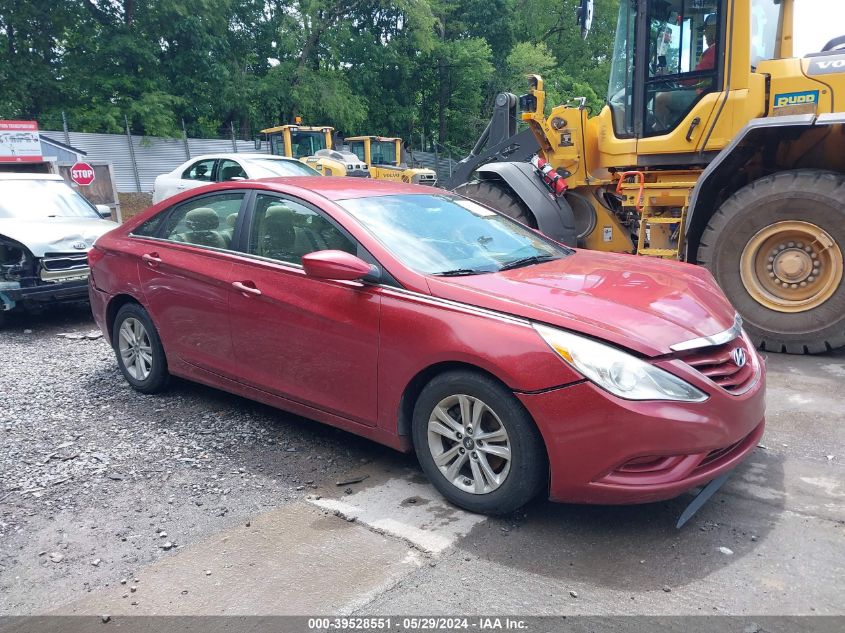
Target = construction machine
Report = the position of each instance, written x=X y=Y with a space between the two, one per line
x=383 y=155
x=716 y=146
x=313 y=145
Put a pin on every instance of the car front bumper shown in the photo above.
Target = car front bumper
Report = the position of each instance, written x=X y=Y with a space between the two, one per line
x=606 y=450
x=46 y=293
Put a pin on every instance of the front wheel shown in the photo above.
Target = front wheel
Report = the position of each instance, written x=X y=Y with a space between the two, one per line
x=775 y=247
x=138 y=348
x=477 y=443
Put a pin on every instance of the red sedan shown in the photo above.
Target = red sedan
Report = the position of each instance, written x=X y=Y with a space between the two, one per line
x=422 y=320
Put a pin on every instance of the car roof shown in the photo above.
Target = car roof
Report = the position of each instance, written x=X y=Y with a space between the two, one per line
x=346 y=187
x=242 y=156
x=11 y=175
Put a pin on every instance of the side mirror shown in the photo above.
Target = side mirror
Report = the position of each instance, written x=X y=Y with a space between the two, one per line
x=335 y=265
x=585 y=17
x=104 y=211
x=257 y=142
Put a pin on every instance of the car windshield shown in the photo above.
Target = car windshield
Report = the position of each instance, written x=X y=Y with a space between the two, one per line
x=269 y=168
x=439 y=234
x=39 y=199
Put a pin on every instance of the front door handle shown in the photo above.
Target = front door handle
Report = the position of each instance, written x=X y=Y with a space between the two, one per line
x=152 y=259
x=249 y=290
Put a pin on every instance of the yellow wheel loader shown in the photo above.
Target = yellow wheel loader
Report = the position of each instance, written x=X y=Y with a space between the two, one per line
x=717 y=146
x=313 y=146
x=383 y=155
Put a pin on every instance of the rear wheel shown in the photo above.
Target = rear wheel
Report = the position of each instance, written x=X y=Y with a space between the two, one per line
x=497 y=195
x=477 y=443
x=138 y=348
x=776 y=249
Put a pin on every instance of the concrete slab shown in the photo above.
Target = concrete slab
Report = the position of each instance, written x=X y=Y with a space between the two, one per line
x=297 y=560
x=400 y=502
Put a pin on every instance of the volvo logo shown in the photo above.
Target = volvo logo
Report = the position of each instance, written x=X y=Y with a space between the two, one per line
x=739 y=357
x=80 y=246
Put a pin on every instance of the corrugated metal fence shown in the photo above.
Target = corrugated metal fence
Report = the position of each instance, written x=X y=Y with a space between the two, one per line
x=135 y=169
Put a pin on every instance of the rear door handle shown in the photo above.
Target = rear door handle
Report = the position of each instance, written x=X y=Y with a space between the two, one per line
x=250 y=290
x=151 y=258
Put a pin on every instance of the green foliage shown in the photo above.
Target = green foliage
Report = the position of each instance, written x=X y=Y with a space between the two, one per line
x=404 y=67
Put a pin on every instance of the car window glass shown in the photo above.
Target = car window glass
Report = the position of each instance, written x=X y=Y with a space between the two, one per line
x=150 y=227
x=205 y=221
x=229 y=170
x=201 y=170
x=285 y=230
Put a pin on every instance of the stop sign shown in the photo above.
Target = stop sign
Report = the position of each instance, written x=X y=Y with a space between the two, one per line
x=82 y=173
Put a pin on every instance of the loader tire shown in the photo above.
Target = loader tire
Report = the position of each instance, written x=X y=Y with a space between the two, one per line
x=775 y=247
x=497 y=195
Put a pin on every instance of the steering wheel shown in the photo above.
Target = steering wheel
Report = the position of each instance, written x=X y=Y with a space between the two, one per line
x=834 y=44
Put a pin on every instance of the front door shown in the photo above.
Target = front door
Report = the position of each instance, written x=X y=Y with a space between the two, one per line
x=311 y=340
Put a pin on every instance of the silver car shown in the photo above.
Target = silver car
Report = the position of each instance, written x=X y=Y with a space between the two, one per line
x=46 y=231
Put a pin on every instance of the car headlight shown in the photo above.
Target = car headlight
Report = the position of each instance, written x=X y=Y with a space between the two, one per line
x=619 y=373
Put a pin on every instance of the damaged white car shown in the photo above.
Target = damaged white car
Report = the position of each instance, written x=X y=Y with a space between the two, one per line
x=46 y=231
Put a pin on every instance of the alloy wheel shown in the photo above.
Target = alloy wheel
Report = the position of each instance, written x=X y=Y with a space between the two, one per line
x=469 y=444
x=136 y=353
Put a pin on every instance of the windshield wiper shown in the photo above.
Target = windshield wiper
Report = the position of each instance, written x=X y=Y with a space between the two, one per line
x=458 y=272
x=527 y=261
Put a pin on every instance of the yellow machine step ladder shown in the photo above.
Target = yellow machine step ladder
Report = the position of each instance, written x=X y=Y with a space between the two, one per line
x=661 y=228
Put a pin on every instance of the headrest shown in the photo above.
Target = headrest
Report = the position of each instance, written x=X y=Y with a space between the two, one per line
x=231 y=220
x=202 y=219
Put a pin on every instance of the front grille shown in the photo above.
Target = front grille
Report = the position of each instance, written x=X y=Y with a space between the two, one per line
x=718 y=364
x=64 y=261
x=64 y=267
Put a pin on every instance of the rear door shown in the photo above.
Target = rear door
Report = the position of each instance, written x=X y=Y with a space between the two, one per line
x=184 y=263
x=314 y=341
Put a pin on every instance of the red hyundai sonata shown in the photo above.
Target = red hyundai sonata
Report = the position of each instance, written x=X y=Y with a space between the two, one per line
x=422 y=320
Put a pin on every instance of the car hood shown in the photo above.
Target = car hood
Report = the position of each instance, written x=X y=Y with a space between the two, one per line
x=55 y=235
x=643 y=304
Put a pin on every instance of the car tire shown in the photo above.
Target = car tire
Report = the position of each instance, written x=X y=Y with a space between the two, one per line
x=484 y=481
x=138 y=349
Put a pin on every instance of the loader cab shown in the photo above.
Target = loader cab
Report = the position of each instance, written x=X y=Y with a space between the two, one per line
x=668 y=56
x=298 y=141
x=377 y=150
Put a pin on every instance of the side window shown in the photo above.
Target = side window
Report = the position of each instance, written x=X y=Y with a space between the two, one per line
x=357 y=148
x=230 y=170
x=206 y=221
x=150 y=227
x=201 y=170
x=285 y=230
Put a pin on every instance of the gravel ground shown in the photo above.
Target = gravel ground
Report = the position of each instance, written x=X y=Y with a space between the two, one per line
x=97 y=480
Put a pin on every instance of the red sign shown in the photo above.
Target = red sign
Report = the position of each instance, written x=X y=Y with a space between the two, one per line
x=82 y=174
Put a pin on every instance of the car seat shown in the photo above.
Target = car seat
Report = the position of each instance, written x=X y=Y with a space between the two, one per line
x=202 y=223
x=277 y=237
x=229 y=231
x=232 y=171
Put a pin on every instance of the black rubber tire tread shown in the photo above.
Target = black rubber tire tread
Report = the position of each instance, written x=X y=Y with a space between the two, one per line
x=159 y=376
x=497 y=195
x=529 y=462
x=807 y=194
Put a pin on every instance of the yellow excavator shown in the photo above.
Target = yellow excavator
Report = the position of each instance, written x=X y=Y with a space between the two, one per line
x=313 y=145
x=383 y=156
x=717 y=146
